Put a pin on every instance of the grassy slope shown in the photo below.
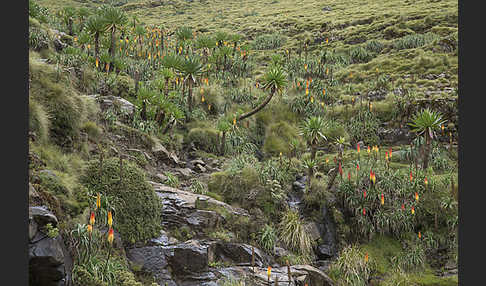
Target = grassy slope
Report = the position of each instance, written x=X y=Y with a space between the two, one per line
x=347 y=24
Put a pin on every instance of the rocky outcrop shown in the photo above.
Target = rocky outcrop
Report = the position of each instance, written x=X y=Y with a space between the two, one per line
x=49 y=261
x=179 y=208
x=237 y=254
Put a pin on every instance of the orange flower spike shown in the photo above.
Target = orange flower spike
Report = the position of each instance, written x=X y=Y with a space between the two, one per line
x=92 y=218
x=234 y=121
x=98 y=201
x=97 y=62
x=110 y=236
x=306 y=91
x=323 y=91
x=368 y=150
x=426 y=182
x=327 y=160
x=382 y=199
x=411 y=177
x=413 y=210
x=358 y=148
x=419 y=235
x=90 y=229
x=269 y=271
x=110 y=219
x=327 y=71
x=416 y=196
x=386 y=156
x=390 y=152
x=366 y=257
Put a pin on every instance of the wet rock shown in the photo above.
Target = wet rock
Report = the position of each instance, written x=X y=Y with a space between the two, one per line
x=152 y=259
x=41 y=216
x=237 y=253
x=313 y=230
x=49 y=261
x=189 y=257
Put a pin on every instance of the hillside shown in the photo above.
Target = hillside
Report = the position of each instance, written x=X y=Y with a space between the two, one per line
x=224 y=141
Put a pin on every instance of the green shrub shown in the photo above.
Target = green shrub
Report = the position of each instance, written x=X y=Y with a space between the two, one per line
x=351 y=268
x=360 y=55
x=92 y=129
x=206 y=139
x=278 y=136
x=268 y=41
x=292 y=232
x=374 y=46
x=138 y=209
x=38 y=38
x=267 y=238
x=414 y=41
x=364 y=127
x=38 y=121
x=235 y=187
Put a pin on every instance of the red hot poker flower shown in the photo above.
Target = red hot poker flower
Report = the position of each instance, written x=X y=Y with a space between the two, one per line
x=364 y=211
x=92 y=218
x=110 y=236
x=358 y=148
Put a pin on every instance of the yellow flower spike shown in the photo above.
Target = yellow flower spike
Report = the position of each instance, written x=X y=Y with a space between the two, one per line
x=98 y=201
x=202 y=98
x=234 y=121
x=312 y=99
x=327 y=41
x=306 y=91
x=97 y=62
x=327 y=160
x=209 y=107
x=269 y=271
x=322 y=103
x=327 y=71
x=110 y=219
x=90 y=229
x=366 y=257
x=89 y=46
x=107 y=67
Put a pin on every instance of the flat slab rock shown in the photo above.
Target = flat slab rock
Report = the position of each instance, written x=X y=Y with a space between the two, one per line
x=185 y=199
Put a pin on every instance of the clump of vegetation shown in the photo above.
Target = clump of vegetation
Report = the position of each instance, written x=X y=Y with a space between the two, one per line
x=292 y=233
x=137 y=206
